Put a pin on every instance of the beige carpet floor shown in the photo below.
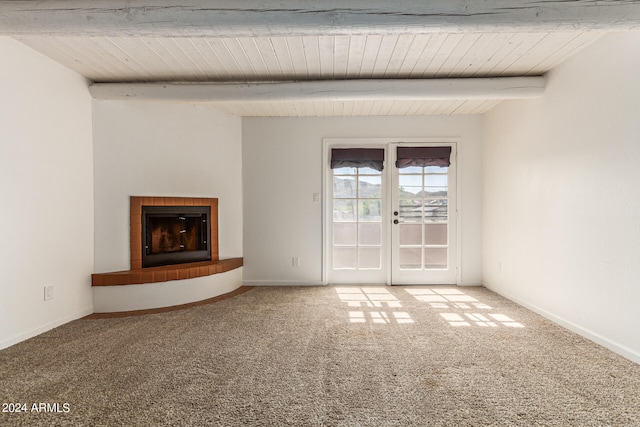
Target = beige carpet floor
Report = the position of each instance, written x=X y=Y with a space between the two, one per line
x=322 y=356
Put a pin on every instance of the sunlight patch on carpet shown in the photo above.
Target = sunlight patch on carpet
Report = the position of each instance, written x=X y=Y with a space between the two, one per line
x=377 y=305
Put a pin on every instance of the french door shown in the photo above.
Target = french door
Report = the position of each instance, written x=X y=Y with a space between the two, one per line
x=423 y=204
x=357 y=226
x=396 y=225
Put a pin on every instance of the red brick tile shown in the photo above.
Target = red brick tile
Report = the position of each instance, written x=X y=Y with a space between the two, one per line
x=97 y=280
x=147 y=276
x=135 y=205
x=160 y=276
x=183 y=274
x=135 y=277
x=115 y=279
x=135 y=221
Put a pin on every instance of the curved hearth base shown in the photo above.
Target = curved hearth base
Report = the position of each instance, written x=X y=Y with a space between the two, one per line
x=119 y=314
x=155 y=294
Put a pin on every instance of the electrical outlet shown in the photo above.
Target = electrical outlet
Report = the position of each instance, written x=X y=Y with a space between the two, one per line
x=316 y=197
x=48 y=292
x=295 y=261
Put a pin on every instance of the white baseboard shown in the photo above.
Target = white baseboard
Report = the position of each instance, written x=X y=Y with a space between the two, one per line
x=281 y=283
x=44 y=328
x=590 y=335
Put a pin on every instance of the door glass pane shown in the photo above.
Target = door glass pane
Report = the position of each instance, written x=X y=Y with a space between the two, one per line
x=435 y=180
x=344 y=186
x=411 y=210
x=370 y=233
x=410 y=234
x=435 y=185
x=369 y=258
x=369 y=210
x=410 y=181
x=436 y=191
x=368 y=171
x=436 y=169
x=344 y=258
x=370 y=186
x=407 y=191
x=435 y=257
x=344 y=171
x=410 y=258
x=411 y=169
x=435 y=234
x=344 y=233
x=435 y=210
x=344 y=210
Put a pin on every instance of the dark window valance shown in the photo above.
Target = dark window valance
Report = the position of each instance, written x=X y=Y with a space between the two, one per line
x=423 y=156
x=357 y=158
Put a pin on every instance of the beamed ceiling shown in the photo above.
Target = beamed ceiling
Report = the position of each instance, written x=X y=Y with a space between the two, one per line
x=303 y=58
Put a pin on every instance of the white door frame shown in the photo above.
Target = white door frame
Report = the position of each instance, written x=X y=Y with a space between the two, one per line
x=327 y=208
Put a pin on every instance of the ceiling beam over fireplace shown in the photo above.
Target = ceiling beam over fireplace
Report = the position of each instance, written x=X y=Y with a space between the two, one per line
x=327 y=90
x=233 y=18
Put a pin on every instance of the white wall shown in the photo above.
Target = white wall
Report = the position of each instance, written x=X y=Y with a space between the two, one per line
x=158 y=149
x=282 y=164
x=46 y=188
x=561 y=206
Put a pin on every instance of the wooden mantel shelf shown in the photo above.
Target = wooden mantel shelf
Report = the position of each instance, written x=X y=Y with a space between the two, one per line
x=165 y=273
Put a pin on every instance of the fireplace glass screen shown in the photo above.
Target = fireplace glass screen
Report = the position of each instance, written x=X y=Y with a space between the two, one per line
x=175 y=234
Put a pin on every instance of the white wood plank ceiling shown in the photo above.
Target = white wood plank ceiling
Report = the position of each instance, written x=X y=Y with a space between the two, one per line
x=146 y=59
x=272 y=59
x=295 y=41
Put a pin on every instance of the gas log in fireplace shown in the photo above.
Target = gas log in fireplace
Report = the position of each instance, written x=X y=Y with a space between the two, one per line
x=173 y=230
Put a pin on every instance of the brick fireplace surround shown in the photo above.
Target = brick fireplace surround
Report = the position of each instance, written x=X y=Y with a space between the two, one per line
x=138 y=275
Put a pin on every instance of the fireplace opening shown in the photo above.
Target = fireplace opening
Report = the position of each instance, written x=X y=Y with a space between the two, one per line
x=175 y=235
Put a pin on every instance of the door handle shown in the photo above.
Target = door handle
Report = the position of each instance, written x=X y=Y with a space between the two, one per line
x=395 y=213
x=395 y=221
